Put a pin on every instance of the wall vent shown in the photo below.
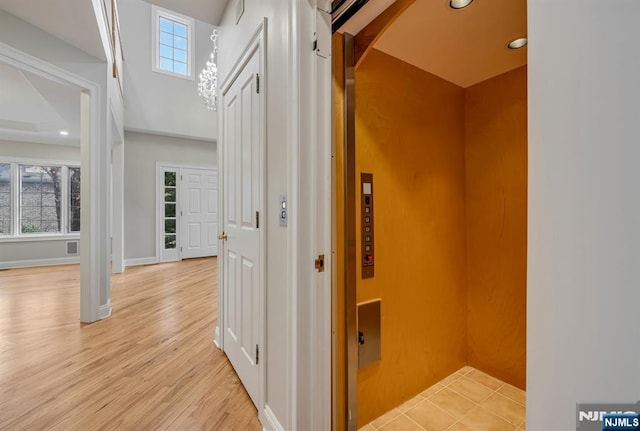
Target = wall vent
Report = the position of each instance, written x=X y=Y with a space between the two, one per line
x=72 y=247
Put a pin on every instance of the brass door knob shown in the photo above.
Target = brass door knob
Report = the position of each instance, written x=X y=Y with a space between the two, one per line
x=223 y=237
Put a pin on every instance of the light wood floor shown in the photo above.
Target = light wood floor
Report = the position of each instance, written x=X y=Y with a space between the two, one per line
x=151 y=366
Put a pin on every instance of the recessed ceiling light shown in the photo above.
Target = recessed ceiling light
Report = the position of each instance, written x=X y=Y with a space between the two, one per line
x=459 y=4
x=64 y=133
x=517 y=43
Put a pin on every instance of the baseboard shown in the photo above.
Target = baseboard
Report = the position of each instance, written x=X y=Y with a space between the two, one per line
x=269 y=420
x=140 y=261
x=39 y=262
x=216 y=339
x=105 y=310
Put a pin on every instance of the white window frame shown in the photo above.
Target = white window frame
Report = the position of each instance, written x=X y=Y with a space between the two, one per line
x=156 y=14
x=16 y=234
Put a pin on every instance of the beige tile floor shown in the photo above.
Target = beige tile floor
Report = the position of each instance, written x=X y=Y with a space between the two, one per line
x=467 y=400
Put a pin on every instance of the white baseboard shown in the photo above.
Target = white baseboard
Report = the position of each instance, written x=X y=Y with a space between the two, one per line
x=39 y=262
x=140 y=261
x=216 y=340
x=269 y=420
x=105 y=310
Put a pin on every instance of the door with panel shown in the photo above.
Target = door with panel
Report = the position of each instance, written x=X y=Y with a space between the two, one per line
x=242 y=197
x=199 y=213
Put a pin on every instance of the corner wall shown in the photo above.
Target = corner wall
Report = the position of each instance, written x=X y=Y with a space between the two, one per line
x=410 y=134
x=496 y=202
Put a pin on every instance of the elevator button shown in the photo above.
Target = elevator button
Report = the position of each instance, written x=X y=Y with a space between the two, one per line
x=369 y=258
x=367 y=219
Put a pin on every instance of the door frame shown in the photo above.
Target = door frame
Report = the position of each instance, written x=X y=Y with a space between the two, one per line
x=95 y=235
x=160 y=168
x=258 y=42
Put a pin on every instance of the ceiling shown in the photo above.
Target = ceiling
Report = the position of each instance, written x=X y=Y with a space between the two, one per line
x=204 y=10
x=72 y=21
x=464 y=46
x=36 y=109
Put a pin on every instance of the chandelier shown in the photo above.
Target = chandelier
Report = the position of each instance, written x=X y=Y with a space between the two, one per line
x=208 y=85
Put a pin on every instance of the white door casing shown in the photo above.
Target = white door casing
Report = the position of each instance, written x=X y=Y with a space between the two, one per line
x=243 y=199
x=198 y=213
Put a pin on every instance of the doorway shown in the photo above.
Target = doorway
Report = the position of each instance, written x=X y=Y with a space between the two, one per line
x=187 y=212
x=431 y=180
x=94 y=274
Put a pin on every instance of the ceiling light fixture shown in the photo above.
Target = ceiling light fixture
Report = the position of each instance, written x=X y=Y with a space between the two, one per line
x=518 y=43
x=64 y=133
x=459 y=4
x=208 y=85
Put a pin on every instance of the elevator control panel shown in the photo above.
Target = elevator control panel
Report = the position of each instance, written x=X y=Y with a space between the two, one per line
x=366 y=225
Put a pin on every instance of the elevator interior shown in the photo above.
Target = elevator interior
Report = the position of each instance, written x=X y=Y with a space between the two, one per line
x=432 y=199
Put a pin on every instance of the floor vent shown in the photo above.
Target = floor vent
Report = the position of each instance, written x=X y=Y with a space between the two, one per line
x=72 y=247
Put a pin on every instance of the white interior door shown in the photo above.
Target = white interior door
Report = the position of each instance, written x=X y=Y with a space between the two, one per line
x=242 y=199
x=199 y=213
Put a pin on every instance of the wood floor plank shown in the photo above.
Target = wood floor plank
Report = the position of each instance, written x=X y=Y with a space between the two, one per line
x=151 y=366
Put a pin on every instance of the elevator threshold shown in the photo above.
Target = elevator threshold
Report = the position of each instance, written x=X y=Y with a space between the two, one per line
x=467 y=400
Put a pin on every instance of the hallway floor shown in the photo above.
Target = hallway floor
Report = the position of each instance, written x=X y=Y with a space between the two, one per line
x=151 y=366
x=467 y=400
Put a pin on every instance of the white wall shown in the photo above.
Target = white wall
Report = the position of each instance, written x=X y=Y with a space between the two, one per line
x=142 y=152
x=156 y=102
x=584 y=208
x=233 y=40
x=39 y=151
x=297 y=157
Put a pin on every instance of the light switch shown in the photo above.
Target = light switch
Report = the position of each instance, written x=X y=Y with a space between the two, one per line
x=284 y=216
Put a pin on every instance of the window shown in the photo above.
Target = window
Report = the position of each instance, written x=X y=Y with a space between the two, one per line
x=172 y=43
x=74 y=199
x=40 y=199
x=5 y=199
x=170 y=191
x=46 y=199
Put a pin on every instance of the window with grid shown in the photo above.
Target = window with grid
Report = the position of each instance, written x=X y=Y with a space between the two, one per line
x=74 y=199
x=170 y=218
x=40 y=199
x=172 y=43
x=5 y=199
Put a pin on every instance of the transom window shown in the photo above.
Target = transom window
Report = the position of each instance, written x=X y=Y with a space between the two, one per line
x=172 y=43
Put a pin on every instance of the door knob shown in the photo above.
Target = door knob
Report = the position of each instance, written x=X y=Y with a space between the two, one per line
x=223 y=237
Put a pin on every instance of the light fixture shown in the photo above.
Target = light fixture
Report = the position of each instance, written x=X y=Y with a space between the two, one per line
x=459 y=4
x=518 y=43
x=64 y=133
x=208 y=85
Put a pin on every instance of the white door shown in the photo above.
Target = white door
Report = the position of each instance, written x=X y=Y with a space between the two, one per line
x=199 y=213
x=242 y=198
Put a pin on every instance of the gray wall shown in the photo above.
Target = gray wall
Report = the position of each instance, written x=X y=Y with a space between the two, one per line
x=142 y=152
x=17 y=253
x=156 y=102
x=583 y=259
x=39 y=151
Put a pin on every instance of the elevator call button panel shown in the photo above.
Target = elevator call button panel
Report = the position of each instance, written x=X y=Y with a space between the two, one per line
x=366 y=225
